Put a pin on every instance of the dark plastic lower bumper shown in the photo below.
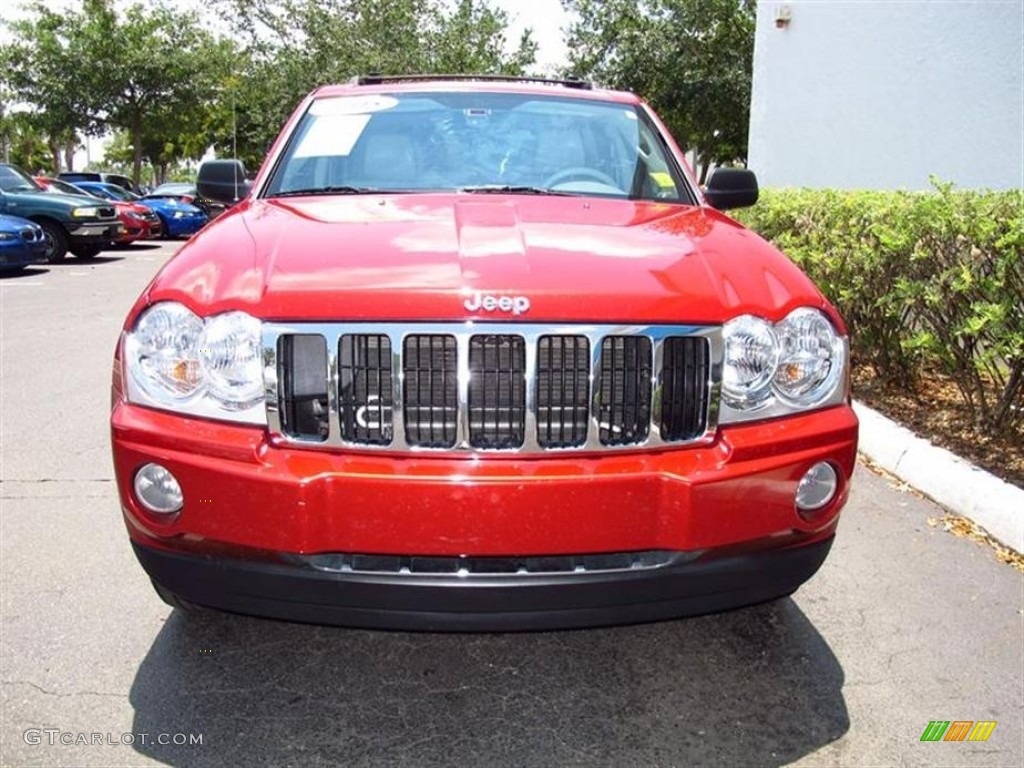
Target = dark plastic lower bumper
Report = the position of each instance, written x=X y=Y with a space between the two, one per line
x=483 y=603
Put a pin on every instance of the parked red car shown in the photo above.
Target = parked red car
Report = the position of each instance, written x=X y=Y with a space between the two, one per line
x=479 y=354
x=137 y=221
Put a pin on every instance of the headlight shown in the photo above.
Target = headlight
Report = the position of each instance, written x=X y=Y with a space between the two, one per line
x=810 y=360
x=770 y=370
x=133 y=215
x=4 y=236
x=230 y=356
x=83 y=213
x=177 y=361
x=179 y=214
x=751 y=352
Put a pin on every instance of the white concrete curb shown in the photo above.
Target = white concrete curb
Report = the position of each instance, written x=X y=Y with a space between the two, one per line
x=958 y=485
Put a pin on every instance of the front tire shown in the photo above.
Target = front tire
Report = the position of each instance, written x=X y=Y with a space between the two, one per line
x=86 y=251
x=56 y=240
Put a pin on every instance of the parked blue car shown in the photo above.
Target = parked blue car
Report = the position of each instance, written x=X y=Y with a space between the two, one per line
x=178 y=218
x=22 y=242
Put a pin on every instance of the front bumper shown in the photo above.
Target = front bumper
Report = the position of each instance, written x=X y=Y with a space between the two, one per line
x=245 y=494
x=498 y=603
x=186 y=225
x=15 y=254
x=91 y=233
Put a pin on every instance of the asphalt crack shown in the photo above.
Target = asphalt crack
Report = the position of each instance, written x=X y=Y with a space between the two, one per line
x=47 y=692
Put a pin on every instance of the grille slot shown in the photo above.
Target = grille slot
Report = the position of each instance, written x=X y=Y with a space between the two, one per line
x=303 y=376
x=684 y=390
x=624 y=394
x=430 y=391
x=364 y=388
x=497 y=392
x=563 y=389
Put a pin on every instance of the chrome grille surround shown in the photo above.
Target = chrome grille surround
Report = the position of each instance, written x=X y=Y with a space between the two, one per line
x=462 y=333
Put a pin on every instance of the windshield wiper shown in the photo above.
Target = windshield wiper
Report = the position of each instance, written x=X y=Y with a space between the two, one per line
x=510 y=189
x=335 y=190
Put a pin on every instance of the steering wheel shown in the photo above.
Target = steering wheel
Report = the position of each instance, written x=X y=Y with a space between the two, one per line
x=580 y=172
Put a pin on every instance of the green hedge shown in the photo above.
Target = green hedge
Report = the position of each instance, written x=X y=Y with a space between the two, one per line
x=925 y=280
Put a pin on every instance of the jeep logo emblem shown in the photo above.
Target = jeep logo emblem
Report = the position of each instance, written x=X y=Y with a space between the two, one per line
x=517 y=305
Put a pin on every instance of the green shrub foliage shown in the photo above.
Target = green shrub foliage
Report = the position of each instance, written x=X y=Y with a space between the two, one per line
x=925 y=280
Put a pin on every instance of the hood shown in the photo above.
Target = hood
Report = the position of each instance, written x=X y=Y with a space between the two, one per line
x=10 y=223
x=78 y=201
x=439 y=257
x=133 y=207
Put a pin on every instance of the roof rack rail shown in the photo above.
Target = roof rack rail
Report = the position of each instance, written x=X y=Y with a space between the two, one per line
x=375 y=79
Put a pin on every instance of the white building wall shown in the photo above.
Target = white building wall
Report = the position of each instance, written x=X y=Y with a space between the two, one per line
x=862 y=94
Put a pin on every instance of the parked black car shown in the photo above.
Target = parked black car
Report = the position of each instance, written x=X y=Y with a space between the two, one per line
x=107 y=178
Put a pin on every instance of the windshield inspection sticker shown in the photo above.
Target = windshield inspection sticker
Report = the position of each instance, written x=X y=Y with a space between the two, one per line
x=352 y=105
x=332 y=136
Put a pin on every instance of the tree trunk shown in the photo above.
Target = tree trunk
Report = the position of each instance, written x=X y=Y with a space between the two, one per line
x=69 y=155
x=137 y=148
x=163 y=172
x=55 y=155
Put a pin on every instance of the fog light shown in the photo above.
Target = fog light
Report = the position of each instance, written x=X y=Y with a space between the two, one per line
x=817 y=488
x=158 y=490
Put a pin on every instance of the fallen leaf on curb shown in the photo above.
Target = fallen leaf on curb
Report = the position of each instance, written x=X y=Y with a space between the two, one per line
x=968 y=529
x=896 y=483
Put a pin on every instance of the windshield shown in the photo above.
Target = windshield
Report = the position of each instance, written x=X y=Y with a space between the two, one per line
x=477 y=142
x=14 y=180
x=56 y=185
x=171 y=189
x=112 y=192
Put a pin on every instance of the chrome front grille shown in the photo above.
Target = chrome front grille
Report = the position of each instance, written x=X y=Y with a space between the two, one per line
x=502 y=388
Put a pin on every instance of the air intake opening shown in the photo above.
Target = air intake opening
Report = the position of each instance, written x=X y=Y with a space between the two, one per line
x=430 y=391
x=563 y=390
x=303 y=375
x=364 y=388
x=684 y=388
x=497 y=391
x=624 y=390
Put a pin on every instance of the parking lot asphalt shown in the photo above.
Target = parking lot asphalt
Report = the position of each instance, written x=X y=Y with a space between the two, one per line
x=904 y=624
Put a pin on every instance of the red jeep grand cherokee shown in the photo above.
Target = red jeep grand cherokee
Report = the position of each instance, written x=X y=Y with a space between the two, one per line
x=479 y=354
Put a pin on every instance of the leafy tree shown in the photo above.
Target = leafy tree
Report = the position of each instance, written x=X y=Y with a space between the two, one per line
x=149 y=70
x=295 y=45
x=157 y=73
x=22 y=143
x=42 y=68
x=691 y=59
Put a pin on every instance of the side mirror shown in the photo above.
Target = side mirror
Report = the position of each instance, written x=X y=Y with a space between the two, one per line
x=223 y=181
x=731 y=188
